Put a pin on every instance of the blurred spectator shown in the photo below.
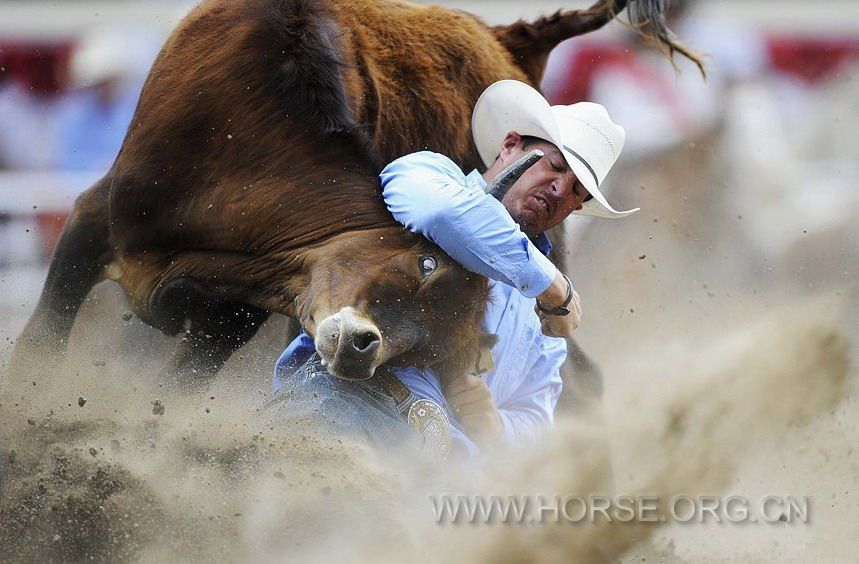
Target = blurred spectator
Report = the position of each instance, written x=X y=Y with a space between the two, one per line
x=28 y=108
x=80 y=127
x=64 y=111
x=106 y=74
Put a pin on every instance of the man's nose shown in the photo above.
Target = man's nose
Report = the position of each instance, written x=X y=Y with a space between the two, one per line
x=560 y=189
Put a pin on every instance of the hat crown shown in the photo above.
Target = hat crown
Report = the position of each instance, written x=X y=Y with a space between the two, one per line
x=584 y=132
x=587 y=129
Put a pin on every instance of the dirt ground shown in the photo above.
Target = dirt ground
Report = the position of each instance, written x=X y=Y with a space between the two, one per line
x=727 y=371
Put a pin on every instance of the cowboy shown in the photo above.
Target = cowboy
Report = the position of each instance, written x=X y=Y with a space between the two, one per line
x=501 y=235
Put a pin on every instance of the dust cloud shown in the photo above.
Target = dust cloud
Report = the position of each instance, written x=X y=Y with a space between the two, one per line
x=727 y=371
x=119 y=469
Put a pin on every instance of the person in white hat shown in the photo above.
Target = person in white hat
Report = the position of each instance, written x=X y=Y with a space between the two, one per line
x=106 y=73
x=506 y=242
x=496 y=228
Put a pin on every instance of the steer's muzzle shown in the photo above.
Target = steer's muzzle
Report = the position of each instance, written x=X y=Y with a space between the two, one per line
x=350 y=345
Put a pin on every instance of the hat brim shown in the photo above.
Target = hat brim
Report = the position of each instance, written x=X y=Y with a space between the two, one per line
x=510 y=105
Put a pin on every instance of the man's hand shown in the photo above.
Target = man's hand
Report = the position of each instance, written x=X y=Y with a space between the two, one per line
x=473 y=407
x=562 y=325
x=554 y=296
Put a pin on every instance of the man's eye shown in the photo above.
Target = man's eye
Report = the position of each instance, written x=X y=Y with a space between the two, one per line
x=580 y=191
x=428 y=264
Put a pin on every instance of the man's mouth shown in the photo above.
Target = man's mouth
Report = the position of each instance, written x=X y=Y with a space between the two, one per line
x=544 y=204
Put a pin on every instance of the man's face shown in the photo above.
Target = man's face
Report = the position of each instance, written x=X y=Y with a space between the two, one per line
x=548 y=191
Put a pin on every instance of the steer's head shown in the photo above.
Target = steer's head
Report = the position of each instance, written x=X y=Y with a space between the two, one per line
x=384 y=295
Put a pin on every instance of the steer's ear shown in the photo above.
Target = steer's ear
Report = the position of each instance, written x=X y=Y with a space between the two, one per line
x=475 y=358
x=487 y=340
x=484 y=362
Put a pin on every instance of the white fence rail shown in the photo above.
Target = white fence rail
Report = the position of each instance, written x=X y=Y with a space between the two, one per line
x=33 y=209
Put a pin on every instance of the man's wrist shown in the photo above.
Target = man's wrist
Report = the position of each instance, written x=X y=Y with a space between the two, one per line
x=556 y=299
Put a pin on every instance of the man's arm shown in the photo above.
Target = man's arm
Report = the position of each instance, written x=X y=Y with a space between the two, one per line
x=521 y=420
x=426 y=192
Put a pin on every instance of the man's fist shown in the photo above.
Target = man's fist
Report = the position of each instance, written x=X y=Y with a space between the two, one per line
x=473 y=407
x=562 y=325
x=555 y=296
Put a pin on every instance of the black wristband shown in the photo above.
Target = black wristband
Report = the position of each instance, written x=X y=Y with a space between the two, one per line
x=562 y=309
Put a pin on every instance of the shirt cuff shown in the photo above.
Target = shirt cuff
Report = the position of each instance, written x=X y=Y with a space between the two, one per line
x=536 y=277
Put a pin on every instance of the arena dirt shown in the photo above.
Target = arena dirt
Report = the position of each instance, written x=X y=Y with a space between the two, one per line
x=718 y=380
x=100 y=469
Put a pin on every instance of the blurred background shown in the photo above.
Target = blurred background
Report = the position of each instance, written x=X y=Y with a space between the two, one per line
x=748 y=184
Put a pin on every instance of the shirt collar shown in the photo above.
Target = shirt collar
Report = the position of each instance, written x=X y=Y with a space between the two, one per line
x=475 y=180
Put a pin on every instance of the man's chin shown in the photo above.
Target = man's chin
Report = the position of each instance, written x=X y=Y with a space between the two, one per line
x=529 y=225
x=524 y=219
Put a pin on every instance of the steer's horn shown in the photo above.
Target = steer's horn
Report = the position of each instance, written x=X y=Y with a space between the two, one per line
x=508 y=177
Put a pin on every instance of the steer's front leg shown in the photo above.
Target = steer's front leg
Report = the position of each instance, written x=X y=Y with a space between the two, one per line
x=474 y=407
x=214 y=328
x=468 y=394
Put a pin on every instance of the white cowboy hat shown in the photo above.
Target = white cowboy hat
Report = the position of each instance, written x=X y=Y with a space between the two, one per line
x=584 y=132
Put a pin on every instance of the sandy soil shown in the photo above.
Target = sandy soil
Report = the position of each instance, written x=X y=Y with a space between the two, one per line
x=727 y=371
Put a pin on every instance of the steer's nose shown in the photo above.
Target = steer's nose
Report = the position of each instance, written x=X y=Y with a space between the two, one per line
x=365 y=342
x=349 y=344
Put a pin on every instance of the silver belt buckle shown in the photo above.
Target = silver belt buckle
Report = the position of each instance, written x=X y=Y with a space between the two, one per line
x=429 y=419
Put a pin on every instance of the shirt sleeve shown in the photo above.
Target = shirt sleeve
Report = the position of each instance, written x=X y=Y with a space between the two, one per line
x=427 y=193
x=530 y=410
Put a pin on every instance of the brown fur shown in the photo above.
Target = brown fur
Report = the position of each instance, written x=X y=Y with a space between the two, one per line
x=248 y=183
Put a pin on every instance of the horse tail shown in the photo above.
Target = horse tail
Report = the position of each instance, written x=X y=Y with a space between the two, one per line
x=531 y=42
x=648 y=16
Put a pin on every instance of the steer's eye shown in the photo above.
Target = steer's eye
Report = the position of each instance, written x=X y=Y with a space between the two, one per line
x=428 y=265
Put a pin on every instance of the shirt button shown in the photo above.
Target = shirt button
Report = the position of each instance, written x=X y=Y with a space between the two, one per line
x=492 y=261
x=524 y=287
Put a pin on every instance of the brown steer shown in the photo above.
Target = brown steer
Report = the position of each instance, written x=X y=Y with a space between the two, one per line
x=247 y=182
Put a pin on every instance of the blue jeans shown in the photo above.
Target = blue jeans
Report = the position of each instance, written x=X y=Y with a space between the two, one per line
x=331 y=407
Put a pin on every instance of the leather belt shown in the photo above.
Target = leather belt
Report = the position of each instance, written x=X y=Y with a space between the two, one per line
x=423 y=415
x=395 y=388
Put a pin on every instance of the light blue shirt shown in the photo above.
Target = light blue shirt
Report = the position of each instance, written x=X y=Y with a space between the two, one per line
x=430 y=195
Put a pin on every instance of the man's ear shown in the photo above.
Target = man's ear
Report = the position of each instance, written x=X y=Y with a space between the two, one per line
x=510 y=146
